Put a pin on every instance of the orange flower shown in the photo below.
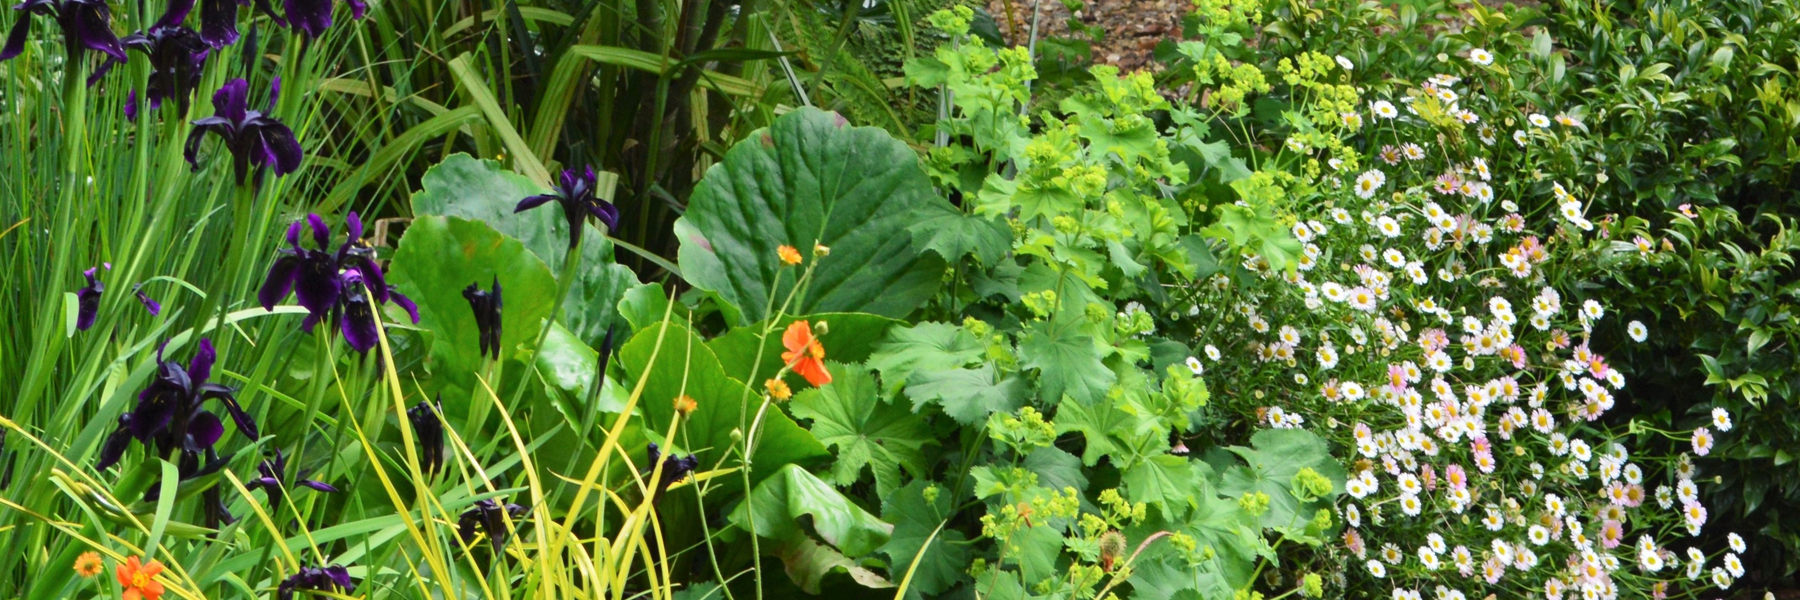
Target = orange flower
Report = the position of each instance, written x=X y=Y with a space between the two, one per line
x=789 y=255
x=805 y=354
x=139 y=580
x=685 y=404
x=88 y=565
x=778 y=389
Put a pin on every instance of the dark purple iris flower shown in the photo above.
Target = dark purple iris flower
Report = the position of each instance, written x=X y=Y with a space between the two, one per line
x=177 y=56
x=675 y=468
x=577 y=194
x=344 y=286
x=255 y=139
x=87 y=300
x=218 y=20
x=150 y=304
x=319 y=579
x=85 y=24
x=313 y=17
x=486 y=305
x=273 y=480
x=169 y=416
x=430 y=431
x=490 y=517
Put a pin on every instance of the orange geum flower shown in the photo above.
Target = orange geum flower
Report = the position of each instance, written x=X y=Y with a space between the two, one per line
x=139 y=580
x=789 y=255
x=88 y=565
x=804 y=353
x=778 y=389
x=685 y=404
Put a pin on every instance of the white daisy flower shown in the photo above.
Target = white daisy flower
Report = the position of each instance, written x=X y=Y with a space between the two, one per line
x=1388 y=227
x=1384 y=109
x=1481 y=57
x=1368 y=182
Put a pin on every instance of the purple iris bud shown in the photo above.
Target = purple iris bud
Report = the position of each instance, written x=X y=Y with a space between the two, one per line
x=430 y=431
x=674 y=469
x=169 y=414
x=313 y=17
x=342 y=287
x=490 y=517
x=319 y=579
x=150 y=304
x=576 y=191
x=273 y=480
x=177 y=56
x=87 y=301
x=486 y=305
x=253 y=138
x=85 y=24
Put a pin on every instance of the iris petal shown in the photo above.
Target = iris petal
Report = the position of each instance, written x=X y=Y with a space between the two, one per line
x=318 y=284
x=116 y=444
x=218 y=22
x=245 y=424
x=359 y=326
x=200 y=369
x=91 y=28
x=311 y=320
x=310 y=16
x=321 y=232
x=355 y=225
x=205 y=429
x=532 y=202
x=412 y=310
x=317 y=485
x=15 y=40
x=283 y=149
x=280 y=281
x=232 y=100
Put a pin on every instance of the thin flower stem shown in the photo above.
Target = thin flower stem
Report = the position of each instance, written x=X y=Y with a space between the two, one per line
x=743 y=402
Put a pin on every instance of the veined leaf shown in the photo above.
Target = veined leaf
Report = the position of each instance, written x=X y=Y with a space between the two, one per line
x=812 y=180
x=791 y=493
x=849 y=415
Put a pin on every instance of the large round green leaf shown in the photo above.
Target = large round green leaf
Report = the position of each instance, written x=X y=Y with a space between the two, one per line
x=810 y=178
x=438 y=257
x=482 y=190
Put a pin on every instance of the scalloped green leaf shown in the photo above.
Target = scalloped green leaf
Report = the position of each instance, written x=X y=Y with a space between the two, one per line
x=850 y=416
x=811 y=179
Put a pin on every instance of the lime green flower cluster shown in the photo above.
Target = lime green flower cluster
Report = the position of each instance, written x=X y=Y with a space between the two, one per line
x=1023 y=433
